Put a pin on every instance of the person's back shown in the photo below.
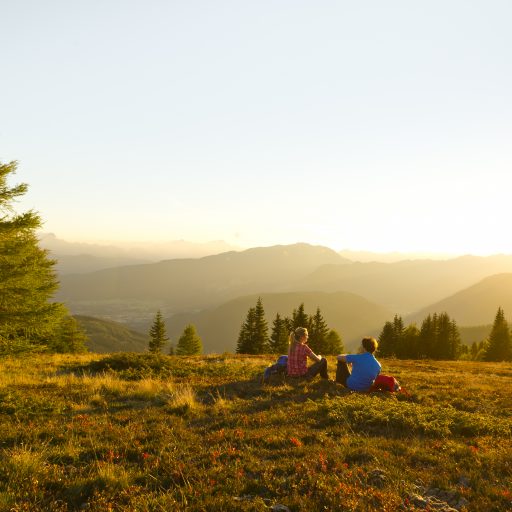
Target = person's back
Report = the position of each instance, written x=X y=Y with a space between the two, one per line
x=365 y=367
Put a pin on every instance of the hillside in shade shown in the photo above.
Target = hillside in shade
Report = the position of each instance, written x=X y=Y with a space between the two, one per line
x=106 y=336
x=475 y=305
x=474 y=334
x=352 y=316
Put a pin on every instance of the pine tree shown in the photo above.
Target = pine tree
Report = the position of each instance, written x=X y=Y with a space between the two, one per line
x=482 y=350
x=190 y=343
x=439 y=338
x=391 y=338
x=28 y=318
x=334 y=343
x=260 y=342
x=443 y=333
x=72 y=338
x=157 y=334
x=299 y=318
x=318 y=332
x=278 y=343
x=499 y=347
x=455 y=347
x=473 y=351
x=427 y=340
x=246 y=334
x=398 y=338
x=386 y=340
x=410 y=346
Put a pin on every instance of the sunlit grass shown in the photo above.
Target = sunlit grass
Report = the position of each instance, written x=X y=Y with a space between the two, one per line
x=135 y=432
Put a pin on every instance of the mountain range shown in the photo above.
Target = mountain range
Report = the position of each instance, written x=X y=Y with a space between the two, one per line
x=184 y=285
x=406 y=286
x=475 y=305
x=77 y=257
x=214 y=292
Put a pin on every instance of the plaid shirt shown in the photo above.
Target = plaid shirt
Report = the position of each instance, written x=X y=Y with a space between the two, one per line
x=297 y=360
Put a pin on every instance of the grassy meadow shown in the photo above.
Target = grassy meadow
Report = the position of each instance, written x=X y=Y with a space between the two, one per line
x=134 y=432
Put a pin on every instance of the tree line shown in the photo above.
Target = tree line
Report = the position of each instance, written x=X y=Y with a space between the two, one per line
x=439 y=338
x=254 y=337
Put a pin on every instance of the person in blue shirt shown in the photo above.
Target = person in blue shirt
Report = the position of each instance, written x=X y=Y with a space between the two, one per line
x=358 y=371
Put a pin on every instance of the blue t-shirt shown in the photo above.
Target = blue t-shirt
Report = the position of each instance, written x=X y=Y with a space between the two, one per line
x=364 y=370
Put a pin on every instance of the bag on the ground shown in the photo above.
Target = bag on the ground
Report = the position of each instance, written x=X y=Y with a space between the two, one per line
x=386 y=383
x=278 y=368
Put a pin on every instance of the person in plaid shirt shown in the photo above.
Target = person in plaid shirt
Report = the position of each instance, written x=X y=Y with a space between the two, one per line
x=298 y=354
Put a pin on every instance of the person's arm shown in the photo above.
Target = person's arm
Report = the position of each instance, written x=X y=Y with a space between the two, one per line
x=313 y=356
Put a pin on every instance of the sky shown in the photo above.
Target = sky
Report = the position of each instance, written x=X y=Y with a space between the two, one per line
x=368 y=125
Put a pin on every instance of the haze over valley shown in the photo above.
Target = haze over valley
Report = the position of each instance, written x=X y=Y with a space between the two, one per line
x=214 y=291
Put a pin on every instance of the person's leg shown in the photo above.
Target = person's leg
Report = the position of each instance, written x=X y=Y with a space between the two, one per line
x=320 y=367
x=323 y=368
x=342 y=373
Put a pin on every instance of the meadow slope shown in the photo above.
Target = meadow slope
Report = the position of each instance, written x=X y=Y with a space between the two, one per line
x=132 y=432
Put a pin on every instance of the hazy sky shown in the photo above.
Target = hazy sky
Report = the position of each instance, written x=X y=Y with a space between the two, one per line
x=377 y=125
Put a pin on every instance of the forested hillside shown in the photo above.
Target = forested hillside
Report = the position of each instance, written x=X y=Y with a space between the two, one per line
x=106 y=336
x=352 y=316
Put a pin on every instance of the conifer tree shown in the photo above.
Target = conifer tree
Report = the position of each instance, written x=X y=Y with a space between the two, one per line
x=300 y=318
x=28 y=318
x=439 y=338
x=288 y=323
x=443 y=333
x=318 y=332
x=473 y=351
x=189 y=343
x=398 y=339
x=157 y=334
x=409 y=349
x=253 y=336
x=391 y=338
x=427 y=339
x=278 y=343
x=260 y=341
x=455 y=346
x=386 y=340
x=482 y=350
x=334 y=343
x=71 y=338
x=246 y=334
x=499 y=347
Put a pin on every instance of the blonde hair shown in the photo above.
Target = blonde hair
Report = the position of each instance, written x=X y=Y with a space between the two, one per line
x=295 y=337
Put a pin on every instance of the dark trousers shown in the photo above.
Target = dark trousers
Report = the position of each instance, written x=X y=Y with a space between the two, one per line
x=342 y=373
x=320 y=367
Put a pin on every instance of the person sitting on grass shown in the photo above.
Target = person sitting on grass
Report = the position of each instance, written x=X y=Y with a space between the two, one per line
x=365 y=367
x=298 y=353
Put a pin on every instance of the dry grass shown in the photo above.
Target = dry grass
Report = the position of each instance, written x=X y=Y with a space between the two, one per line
x=132 y=432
